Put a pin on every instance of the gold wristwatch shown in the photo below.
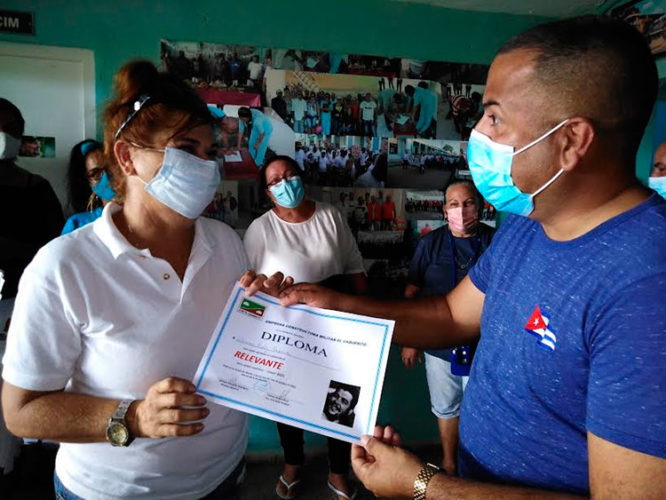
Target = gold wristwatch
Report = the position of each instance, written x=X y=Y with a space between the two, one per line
x=422 y=480
x=117 y=430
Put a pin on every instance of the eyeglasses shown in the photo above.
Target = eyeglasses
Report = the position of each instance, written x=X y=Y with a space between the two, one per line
x=94 y=173
x=138 y=104
x=288 y=176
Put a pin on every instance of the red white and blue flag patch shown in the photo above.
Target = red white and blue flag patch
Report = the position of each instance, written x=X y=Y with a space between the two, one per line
x=537 y=325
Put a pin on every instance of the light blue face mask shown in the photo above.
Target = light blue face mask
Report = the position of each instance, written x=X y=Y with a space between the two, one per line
x=288 y=192
x=490 y=166
x=103 y=188
x=185 y=183
x=658 y=184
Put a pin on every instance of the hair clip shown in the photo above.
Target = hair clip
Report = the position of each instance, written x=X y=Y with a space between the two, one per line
x=138 y=104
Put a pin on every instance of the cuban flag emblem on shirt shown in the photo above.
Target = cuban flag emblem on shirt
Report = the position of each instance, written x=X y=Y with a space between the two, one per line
x=537 y=325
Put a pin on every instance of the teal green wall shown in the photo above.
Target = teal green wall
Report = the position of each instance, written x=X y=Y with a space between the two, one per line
x=119 y=30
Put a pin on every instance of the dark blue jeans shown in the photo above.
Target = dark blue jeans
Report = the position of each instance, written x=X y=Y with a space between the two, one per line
x=227 y=489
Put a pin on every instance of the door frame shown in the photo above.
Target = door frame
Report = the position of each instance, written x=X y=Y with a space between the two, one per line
x=69 y=54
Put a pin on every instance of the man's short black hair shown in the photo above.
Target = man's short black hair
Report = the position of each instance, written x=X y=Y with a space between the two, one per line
x=244 y=112
x=597 y=67
x=354 y=390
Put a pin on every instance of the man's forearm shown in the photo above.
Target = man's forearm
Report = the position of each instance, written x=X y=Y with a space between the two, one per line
x=443 y=487
x=423 y=323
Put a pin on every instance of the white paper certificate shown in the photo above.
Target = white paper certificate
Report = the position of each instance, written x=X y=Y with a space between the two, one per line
x=312 y=368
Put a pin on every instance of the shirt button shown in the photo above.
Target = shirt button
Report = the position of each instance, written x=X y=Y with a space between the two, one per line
x=166 y=276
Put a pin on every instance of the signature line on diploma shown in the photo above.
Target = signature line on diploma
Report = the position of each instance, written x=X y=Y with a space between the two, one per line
x=313 y=363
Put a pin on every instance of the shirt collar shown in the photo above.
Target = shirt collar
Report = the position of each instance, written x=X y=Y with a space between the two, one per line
x=106 y=230
x=108 y=233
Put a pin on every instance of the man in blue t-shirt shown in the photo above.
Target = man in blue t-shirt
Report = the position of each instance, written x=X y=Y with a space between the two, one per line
x=566 y=392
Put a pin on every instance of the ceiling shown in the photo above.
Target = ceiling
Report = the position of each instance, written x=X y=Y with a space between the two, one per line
x=553 y=8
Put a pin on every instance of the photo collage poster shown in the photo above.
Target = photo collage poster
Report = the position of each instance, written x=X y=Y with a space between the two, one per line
x=648 y=17
x=379 y=138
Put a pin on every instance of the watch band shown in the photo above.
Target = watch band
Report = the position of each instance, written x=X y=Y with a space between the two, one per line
x=121 y=410
x=117 y=430
x=422 y=479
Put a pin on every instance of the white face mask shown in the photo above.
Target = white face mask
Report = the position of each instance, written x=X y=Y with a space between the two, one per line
x=185 y=183
x=9 y=146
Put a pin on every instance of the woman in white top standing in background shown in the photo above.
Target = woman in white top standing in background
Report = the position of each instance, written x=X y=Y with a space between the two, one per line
x=311 y=242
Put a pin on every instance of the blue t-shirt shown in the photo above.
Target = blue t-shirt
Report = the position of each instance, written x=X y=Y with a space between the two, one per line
x=81 y=219
x=432 y=267
x=573 y=339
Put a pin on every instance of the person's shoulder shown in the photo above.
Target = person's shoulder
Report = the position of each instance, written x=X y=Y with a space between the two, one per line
x=325 y=210
x=435 y=236
x=652 y=212
x=259 y=223
x=641 y=232
x=516 y=223
x=70 y=249
x=18 y=177
x=218 y=231
x=486 y=231
x=224 y=238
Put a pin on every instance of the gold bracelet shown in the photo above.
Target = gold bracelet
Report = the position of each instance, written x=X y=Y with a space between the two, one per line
x=422 y=479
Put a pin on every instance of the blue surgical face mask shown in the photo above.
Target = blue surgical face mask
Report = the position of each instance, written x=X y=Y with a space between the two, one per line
x=185 y=183
x=288 y=192
x=490 y=166
x=658 y=184
x=103 y=188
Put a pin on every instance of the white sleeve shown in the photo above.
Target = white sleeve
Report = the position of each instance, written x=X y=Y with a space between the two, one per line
x=254 y=243
x=243 y=261
x=44 y=341
x=352 y=260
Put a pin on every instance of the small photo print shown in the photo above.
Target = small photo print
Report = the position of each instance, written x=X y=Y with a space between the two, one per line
x=224 y=205
x=341 y=399
x=423 y=227
x=37 y=147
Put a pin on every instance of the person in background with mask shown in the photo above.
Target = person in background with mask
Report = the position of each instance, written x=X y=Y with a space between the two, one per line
x=442 y=259
x=657 y=179
x=111 y=320
x=310 y=242
x=88 y=184
x=30 y=213
x=566 y=390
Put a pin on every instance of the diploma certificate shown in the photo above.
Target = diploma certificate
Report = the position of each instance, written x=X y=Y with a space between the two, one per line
x=312 y=368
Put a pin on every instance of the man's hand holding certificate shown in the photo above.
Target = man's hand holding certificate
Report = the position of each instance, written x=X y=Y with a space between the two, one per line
x=312 y=368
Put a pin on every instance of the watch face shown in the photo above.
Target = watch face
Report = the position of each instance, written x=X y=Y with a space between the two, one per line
x=117 y=434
